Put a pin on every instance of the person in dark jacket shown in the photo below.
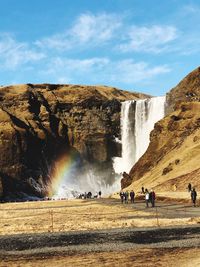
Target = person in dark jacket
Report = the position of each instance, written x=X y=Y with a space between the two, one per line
x=194 y=196
x=126 y=196
x=189 y=187
x=152 y=198
x=132 y=196
x=122 y=196
x=142 y=190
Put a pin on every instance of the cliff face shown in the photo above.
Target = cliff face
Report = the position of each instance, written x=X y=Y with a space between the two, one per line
x=188 y=90
x=40 y=123
x=173 y=153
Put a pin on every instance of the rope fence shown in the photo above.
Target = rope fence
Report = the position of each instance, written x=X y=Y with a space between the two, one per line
x=49 y=221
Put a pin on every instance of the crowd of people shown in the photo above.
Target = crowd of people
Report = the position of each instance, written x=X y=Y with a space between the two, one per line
x=89 y=195
x=125 y=196
x=150 y=196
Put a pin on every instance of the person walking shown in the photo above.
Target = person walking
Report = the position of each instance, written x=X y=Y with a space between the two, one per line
x=147 y=198
x=122 y=196
x=132 y=196
x=142 y=190
x=126 y=197
x=152 y=198
x=189 y=187
x=194 y=196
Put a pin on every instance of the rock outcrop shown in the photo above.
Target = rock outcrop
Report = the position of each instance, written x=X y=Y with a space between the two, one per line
x=188 y=90
x=173 y=153
x=41 y=122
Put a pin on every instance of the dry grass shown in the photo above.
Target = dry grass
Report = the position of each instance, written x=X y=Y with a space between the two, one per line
x=76 y=215
x=66 y=215
x=183 y=173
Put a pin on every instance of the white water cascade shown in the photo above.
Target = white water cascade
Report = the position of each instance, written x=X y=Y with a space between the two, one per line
x=137 y=121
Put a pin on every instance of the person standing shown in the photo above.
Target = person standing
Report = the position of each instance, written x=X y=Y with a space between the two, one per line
x=122 y=196
x=147 y=198
x=194 y=196
x=152 y=198
x=142 y=190
x=132 y=196
x=189 y=187
x=126 y=196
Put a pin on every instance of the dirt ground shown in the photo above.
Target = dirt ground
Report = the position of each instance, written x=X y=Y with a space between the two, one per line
x=95 y=214
x=136 y=258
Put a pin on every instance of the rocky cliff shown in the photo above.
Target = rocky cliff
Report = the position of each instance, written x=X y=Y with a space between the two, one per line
x=40 y=123
x=173 y=153
x=187 y=90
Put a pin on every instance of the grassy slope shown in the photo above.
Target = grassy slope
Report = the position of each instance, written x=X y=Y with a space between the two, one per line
x=174 y=146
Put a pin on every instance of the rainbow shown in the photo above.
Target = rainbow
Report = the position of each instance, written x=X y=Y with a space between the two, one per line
x=63 y=169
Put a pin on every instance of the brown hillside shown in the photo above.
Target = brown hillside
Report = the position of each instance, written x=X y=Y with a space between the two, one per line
x=173 y=155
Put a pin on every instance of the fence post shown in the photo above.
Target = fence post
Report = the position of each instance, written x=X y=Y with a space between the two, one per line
x=157 y=217
x=51 y=215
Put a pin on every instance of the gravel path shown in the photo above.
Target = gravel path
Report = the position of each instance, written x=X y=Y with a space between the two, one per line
x=95 y=241
x=170 y=210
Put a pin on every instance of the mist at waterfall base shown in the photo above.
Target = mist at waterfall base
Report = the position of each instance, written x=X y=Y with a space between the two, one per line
x=70 y=178
x=137 y=120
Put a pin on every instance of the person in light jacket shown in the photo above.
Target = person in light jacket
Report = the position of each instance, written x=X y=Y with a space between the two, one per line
x=147 y=198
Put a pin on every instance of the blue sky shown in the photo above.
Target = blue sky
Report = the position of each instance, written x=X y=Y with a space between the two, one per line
x=137 y=45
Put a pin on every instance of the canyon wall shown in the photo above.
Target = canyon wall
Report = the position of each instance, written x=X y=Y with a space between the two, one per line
x=40 y=123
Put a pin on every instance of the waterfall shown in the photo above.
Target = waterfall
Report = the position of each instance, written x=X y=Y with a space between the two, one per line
x=137 y=121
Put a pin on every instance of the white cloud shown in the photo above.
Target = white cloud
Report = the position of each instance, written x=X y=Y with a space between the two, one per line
x=101 y=27
x=149 y=39
x=13 y=53
x=104 y=71
x=129 y=71
x=75 y=68
x=91 y=31
x=88 y=29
